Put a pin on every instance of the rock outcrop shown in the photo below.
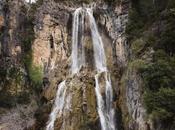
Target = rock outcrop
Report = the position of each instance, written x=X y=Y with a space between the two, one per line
x=11 y=18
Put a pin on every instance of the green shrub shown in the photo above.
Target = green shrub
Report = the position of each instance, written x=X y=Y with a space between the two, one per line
x=137 y=64
x=167 y=40
x=137 y=46
x=36 y=75
x=160 y=73
x=151 y=25
x=160 y=55
x=35 y=72
x=135 y=25
x=161 y=104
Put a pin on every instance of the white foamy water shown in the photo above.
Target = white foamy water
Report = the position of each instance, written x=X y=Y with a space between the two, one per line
x=31 y=1
x=105 y=108
x=78 y=54
x=104 y=102
x=100 y=103
x=99 y=53
x=58 y=105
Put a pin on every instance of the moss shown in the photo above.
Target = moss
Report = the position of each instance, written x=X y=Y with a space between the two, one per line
x=36 y=74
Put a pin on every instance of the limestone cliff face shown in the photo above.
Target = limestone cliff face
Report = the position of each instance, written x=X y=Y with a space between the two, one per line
x=51 y=50
x=17 y=99
x=51 y=43
x=135 y=115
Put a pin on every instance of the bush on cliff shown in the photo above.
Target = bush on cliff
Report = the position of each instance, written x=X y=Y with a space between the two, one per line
x=151 y=25
x=161 y=104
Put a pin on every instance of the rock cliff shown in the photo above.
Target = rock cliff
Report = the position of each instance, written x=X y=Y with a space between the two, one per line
x=35 y=57
x=52 y=48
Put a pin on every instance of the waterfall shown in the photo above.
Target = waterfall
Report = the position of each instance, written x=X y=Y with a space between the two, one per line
x=105 y=100
x=78 y=57
x=77 y=61
x=99 y=55
x=105 y=108
x=58 y=105
x=78 y=53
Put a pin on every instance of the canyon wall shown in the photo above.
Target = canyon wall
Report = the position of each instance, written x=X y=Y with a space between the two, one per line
x=35 y=57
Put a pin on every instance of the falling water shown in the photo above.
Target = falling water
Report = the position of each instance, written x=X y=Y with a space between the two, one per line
x=105 y=108
x=58 y=105
x=100 y=103
x=104 y=102
x=78 y=57
x=99 y=54
x=109 y=103
x=77 y=61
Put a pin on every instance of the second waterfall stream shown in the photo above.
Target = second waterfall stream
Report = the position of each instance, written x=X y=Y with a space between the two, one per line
x=105 y=108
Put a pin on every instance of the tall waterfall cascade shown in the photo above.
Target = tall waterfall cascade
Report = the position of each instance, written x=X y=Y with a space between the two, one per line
x=104 y=101
x=105 y=108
